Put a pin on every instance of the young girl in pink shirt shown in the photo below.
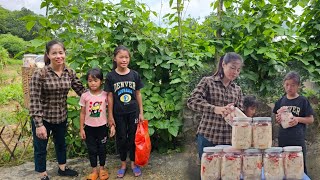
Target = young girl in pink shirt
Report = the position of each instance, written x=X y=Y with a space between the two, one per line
x=93 y=123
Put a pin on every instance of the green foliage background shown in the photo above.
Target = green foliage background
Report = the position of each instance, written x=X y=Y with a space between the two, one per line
x=169 y=59
x=12 y=22
x=13 y=44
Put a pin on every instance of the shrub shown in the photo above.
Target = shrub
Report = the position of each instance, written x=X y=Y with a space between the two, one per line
x=4 y=56
x=11 y=92
x=13 y=44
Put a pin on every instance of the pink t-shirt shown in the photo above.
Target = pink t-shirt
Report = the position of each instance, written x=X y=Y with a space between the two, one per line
x=96 y=106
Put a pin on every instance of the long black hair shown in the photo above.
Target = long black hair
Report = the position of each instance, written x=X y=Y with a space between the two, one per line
x=48 y=47
x=116 y=51
x=227 y=58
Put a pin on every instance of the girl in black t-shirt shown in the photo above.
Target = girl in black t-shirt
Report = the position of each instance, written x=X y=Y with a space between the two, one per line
x=125 y=108
x=302 y=112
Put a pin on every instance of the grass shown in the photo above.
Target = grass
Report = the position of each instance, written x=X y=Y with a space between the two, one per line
x=11 y=93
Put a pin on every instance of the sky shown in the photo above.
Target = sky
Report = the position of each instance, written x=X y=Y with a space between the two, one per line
x=194 y=8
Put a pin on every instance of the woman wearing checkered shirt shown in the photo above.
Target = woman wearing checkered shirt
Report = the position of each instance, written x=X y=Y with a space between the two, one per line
x=213 y=97
x=48 y=107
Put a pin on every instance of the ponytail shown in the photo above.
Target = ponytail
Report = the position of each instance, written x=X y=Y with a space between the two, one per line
x=46 y=59
x=219 y=71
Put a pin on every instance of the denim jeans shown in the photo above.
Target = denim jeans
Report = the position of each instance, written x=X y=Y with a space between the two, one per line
x=202 y=142
x=40 y=145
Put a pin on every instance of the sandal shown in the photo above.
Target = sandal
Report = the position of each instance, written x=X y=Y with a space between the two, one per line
x=136 y=171
x=103 y=174
x=92 y=176
x=121 y=173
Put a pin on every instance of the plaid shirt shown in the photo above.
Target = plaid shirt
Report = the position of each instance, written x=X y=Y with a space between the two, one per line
x=48 y=94
x=211 y=92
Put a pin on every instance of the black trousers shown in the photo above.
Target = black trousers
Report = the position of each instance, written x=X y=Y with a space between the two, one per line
x=96 y=139
x=285 y=141
x=40 y=145
x=126 y=127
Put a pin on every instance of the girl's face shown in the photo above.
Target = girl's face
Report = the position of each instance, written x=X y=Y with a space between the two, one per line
x=291 y=87
x=122 y=59
x=250 y=111
x=94 y=83
x=232 y=69
x=57 y=55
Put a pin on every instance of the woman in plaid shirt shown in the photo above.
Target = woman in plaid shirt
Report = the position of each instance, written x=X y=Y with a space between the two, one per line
x=214 y=96
x=49 y=87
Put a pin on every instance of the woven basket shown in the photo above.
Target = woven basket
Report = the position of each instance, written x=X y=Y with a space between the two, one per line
x=26 y=76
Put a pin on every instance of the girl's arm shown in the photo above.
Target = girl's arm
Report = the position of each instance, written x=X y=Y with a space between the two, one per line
x=82 y=116
x=304 y=120
x=139 y=100
x=110 y=109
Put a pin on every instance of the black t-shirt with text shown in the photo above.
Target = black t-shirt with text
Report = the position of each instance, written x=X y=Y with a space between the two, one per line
x=300 y=107
x=123 y=88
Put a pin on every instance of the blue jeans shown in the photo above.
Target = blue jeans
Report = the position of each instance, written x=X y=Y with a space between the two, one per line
x=40 y=145
x=202 y=142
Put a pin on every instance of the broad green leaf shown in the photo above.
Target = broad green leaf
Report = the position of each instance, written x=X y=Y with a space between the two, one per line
x=177 y=80
x=151 y=131
x=142 y=47
x=271 y=55
x=94 y=63
x=125 y=30
x=173 y=130
x=170 y=3
x=30 y=25
x=248 y=51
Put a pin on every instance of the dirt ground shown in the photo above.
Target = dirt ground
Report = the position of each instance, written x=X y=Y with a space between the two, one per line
x=177 y=166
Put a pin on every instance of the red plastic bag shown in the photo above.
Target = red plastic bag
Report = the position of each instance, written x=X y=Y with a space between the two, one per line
x=143 y=144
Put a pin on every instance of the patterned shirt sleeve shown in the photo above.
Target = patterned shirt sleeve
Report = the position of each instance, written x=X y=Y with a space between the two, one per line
x=239 y=103
x=197 y=100
x=36 y=111
x=76 y=84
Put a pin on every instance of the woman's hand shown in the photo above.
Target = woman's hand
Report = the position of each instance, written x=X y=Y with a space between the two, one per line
x=41 y=132
x=224 y=110
x=112 y=131
x=82 y=134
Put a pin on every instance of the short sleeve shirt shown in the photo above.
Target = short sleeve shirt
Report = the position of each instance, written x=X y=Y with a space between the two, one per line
x=95 y=106
x=123 y=88
x=300 y=107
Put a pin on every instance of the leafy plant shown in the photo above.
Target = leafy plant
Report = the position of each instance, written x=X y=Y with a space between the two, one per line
x=91 y=35
x=13 y=44
x=4 y=56
x=11 y=92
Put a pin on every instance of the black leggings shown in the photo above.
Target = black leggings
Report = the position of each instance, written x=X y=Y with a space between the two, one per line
x=126 y=126
x=96 y=139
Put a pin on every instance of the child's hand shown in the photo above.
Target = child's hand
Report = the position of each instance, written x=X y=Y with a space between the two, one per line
x=293 y=122
x=141 y=118
x=82 y=134
x=112 y=131
x=278 y=118
x=111 y=122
